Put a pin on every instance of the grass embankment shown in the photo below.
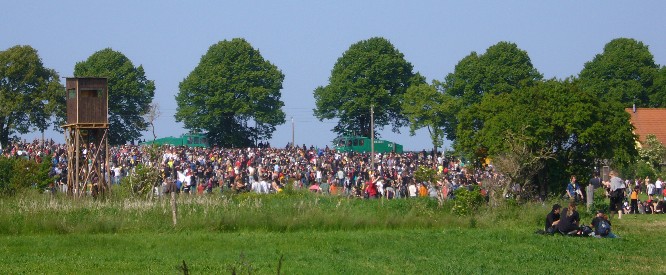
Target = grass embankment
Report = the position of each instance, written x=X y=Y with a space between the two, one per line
x=322 y=235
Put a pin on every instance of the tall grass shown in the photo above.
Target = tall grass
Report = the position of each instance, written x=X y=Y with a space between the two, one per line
x=313 y=234
x=34 y=213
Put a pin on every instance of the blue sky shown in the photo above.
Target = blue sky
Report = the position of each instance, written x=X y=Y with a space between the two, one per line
x=305 y=38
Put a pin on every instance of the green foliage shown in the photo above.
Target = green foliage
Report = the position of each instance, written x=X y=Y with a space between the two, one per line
x=6 y=174
x=625 y=72
x=17 y=174
x=30 y=94
x=141 y=182
x=467 y=202
x=143 y=177
x=643 y=169
x=555 y=116
x=39 y=230
x=370 y=72
x=600 y=201
x=653 y=152
x=130 y=92
x=658 y=96
x=425 y=174
x=233 y=95
x=503 y=68
x=423 y=106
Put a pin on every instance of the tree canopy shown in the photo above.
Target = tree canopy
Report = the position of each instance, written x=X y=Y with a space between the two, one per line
x=501 y=69
x=130 y=92
x=233 y=95
x=30 y=94
x=578 y=128
x=499 y=102
x=371 y=72
x=625 y=72
x=423 y=106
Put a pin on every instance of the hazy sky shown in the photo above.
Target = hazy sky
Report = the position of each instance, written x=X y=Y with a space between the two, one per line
x=305 y=38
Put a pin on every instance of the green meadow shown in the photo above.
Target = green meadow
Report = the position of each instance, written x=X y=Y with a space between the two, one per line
x=302 y=233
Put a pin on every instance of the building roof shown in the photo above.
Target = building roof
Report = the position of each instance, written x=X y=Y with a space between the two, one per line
x=649 y=121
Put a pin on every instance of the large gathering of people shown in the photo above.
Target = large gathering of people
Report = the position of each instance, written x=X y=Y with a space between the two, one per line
x=623 y=199
x=263 y=169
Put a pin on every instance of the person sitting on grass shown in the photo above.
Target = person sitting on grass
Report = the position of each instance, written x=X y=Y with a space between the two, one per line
x=602 y=226
x=658 y=206
x=552 y=219
x=649 y=208
x=568 y=224
x=573 y=190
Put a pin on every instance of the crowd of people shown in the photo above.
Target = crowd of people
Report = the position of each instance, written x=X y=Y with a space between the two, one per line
x=263 y=169
x=624 y=199
x=567 y=222
x=624 y=194
x=195 y=170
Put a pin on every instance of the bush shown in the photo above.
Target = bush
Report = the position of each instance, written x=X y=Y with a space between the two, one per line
x=466 y=202
x=644 y=169
x=601 y=202
x=425 y=174
x=17 y=174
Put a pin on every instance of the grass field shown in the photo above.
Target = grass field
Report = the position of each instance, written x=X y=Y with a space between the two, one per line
x=312 y=235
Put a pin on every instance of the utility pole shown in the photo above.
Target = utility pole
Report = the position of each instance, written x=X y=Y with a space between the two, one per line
x=372 y=136
x=292 y=133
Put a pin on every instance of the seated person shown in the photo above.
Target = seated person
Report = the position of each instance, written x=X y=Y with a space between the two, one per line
x=626 y=207
x=649 y=208
x=602 y=226
x=658 y=206
x=573 y=190
x=568 y=223
x=552 y=219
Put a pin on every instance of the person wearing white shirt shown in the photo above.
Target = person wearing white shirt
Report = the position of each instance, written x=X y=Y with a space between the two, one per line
x=658 y=185
x=412 y=190
x=650 y=188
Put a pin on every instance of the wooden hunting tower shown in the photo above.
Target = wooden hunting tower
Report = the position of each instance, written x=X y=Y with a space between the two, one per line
x=86 y=135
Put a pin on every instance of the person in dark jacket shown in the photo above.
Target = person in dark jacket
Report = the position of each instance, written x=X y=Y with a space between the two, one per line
x=569 y=221
x=552 y=219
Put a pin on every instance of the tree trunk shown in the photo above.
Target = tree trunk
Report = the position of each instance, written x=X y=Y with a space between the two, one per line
x=4 y=132
x=174 y=210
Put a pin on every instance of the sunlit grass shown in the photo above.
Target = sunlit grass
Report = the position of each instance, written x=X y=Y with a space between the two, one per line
x=315 y=234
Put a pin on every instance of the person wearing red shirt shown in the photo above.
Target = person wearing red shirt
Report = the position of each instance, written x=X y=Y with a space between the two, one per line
x=371 y=188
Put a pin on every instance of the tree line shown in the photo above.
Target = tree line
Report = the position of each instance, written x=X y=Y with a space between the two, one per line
x=492 y=103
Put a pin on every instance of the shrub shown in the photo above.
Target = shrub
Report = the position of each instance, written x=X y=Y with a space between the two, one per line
x=600 y=202
x=645 y=169
x=425 y=174
x=467 y=201
x=6 y=173
x=17 y=174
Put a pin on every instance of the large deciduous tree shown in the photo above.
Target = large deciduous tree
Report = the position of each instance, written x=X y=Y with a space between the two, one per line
x=233 y=95
x=423 y=105
x=30 y=94
x=371 y=72
x=501 y=69
x=576 y=126
x=625 y=72
x=130 y=92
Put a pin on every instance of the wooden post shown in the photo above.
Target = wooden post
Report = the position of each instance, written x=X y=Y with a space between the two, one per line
x=107 y=173
x=174 y=209
x=589 y=196
x=372 y=137
x=77 y=145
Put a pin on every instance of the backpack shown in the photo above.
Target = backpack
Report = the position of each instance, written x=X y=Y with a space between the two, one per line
x=603 y=228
